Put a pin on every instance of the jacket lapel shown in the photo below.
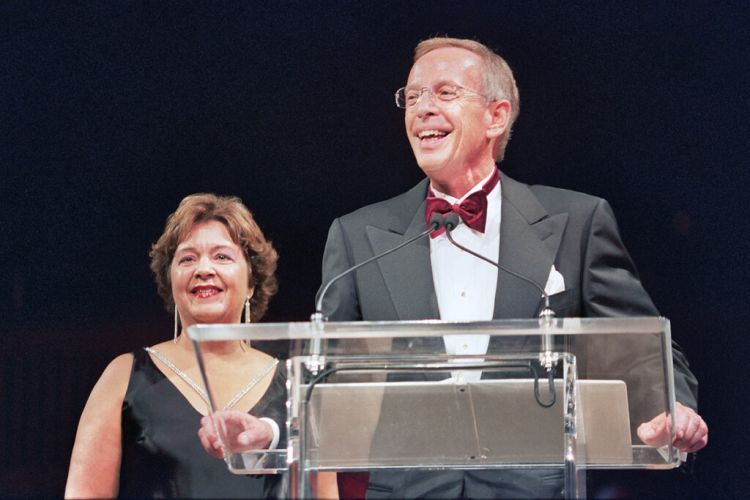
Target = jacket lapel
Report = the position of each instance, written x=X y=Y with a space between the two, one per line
x=529 y=239
x=407 y=272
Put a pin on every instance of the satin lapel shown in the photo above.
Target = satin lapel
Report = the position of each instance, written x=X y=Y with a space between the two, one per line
x=529 y=239
x=407 y=272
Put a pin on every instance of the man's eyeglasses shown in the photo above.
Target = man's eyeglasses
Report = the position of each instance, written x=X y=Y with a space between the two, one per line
x=408 y=98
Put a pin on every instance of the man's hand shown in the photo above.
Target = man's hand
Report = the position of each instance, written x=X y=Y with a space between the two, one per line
x=242 y=432
x=691 y=432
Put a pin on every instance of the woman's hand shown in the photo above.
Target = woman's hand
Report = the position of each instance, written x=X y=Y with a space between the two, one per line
x=241 y=432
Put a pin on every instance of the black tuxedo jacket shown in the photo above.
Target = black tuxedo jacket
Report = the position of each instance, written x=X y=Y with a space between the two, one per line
x=540 y=226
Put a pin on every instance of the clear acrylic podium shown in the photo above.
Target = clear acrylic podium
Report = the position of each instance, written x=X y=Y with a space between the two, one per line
x=566 y=393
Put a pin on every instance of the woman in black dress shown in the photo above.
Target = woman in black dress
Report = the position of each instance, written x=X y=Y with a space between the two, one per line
x=137 y=434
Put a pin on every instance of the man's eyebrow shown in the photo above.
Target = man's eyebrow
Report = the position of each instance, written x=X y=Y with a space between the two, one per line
x=436 y=84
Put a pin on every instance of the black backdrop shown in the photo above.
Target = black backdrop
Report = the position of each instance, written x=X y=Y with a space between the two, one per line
x=111 y=112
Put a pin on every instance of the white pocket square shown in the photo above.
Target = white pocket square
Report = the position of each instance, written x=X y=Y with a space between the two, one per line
x=555 y=282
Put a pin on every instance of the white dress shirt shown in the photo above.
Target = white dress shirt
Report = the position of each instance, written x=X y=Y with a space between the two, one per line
x=464 y=284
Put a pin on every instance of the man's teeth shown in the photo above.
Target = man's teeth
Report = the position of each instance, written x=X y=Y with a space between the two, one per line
x=426 y=134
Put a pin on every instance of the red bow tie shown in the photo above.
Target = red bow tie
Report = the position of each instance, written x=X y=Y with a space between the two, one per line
x=473 y=210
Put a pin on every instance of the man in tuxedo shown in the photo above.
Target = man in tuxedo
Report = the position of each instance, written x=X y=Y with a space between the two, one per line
x=460 y=102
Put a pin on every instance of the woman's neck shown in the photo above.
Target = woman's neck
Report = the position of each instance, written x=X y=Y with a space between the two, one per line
x=223 y=348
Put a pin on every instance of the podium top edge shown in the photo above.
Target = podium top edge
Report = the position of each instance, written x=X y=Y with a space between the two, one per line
x=425 y=328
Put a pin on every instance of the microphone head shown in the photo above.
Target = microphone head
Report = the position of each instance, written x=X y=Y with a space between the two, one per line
x=436 y=221
x=451 y=221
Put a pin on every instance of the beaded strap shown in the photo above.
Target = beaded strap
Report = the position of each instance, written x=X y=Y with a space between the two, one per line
x=199 y=390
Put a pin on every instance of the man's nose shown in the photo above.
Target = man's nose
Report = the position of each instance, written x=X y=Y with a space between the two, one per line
x=425 y=103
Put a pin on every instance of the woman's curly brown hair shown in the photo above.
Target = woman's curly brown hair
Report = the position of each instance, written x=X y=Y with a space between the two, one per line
x=244 y=231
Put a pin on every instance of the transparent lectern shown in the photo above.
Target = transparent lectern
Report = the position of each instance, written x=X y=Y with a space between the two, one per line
x=567 y=393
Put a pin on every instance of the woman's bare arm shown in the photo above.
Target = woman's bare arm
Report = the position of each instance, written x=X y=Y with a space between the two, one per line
x=95 y=462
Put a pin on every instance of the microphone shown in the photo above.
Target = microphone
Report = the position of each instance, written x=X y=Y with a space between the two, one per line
x=315 y=362
x=436 y=223
x=546 y=316
x=451 y=221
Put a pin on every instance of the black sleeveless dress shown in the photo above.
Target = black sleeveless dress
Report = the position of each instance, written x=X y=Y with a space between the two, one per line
x=162 y=456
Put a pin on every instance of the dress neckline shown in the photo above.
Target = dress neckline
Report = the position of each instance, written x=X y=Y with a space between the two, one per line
x=182 y=396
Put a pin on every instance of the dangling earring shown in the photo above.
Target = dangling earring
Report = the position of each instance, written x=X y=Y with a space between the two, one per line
x=176 y=323
x=247 y=310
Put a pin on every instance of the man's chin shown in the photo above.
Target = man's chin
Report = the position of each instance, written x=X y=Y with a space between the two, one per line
x=430 y=162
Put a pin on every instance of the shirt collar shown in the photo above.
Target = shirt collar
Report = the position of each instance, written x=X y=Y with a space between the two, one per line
x=476 y=187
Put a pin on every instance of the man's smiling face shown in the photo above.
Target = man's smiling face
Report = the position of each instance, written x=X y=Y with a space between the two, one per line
x=448 y=137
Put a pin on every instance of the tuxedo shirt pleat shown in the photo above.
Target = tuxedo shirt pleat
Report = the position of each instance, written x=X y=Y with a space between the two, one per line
x=465 y=285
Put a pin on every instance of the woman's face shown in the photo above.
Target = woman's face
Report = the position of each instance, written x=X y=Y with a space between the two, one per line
x=209 y=275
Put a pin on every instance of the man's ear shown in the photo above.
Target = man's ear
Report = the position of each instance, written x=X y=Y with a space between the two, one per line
x=500 y=112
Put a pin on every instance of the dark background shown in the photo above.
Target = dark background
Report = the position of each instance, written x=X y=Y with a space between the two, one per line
x=111 y=112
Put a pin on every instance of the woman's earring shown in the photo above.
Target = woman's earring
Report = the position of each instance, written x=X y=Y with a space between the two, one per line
x=247 y=310
x=176 y=323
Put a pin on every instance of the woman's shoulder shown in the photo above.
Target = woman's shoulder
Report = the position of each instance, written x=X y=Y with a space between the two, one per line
x=110 y=389
x=117 y=374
